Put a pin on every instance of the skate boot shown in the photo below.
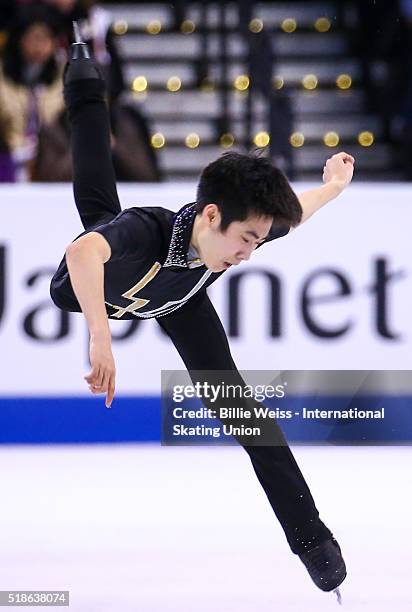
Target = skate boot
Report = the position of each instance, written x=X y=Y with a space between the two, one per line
x=80 y=66
x=326 y=566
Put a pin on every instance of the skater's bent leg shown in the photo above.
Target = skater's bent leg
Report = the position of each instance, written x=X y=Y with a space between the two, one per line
x=199 y=336
x=94 y=180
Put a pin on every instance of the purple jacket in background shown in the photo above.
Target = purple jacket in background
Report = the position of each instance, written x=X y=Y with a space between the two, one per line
x=7 y=168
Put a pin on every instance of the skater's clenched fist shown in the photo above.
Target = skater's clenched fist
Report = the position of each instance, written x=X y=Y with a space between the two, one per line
x=339 y=170
x=101 y=378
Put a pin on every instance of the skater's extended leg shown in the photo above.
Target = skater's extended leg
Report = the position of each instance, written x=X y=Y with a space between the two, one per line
x=94 y=180
x=199 y=336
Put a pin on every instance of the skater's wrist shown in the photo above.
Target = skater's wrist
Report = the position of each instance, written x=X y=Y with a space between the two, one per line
x=337 y=185
x=100 y=334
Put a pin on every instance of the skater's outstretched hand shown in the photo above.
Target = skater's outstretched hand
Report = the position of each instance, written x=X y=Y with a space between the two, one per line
x=337 y=174
x=101 y=378
x=339 y=170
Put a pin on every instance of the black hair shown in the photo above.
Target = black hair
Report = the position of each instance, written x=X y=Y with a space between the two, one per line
x=245 y=184
x=13 y=63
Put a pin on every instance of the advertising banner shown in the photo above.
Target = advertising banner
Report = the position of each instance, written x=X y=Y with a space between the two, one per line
x=334 y=294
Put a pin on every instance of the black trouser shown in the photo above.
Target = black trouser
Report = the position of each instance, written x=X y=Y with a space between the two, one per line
x=195 y=328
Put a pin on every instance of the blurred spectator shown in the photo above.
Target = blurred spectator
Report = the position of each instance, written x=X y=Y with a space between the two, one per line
x=30 y=86
x=7 y=12
x=7 y=168
x=95 y=27
x=34 y=135
x=133 y=157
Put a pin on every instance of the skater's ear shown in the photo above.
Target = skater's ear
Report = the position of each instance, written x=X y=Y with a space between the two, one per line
x=211 y=214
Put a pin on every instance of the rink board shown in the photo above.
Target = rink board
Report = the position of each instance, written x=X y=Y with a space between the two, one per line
x=138 y=419
x=335 y=294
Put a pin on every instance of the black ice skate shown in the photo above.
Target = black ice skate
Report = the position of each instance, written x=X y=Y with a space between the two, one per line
x=326 y=566
x=80 y=66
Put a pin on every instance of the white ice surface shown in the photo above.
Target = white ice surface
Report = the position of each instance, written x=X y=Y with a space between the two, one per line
x=144 y=528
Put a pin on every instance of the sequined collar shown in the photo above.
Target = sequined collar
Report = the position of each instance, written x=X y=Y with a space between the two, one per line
x=181 y=234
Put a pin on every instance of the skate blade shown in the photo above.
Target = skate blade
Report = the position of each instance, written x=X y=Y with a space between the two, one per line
x=338 y=595
x=77 y=35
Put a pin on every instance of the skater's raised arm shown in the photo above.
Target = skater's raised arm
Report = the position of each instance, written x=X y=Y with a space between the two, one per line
x=337 y=174
x=85 y=262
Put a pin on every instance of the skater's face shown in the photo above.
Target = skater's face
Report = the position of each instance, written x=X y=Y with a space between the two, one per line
x=221 y=250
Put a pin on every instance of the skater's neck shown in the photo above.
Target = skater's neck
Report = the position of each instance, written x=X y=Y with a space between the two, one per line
x=195 y=233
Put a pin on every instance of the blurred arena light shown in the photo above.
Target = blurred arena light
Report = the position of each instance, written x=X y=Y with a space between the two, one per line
x=187 y=26
x=139 y=84
x=289 y=25
x=241 y=82
x=323 y=24
x=154 y=27
x=158 y=140
x=344 y=81
x=192 y=141
x=310 y=81
x=261 y=139
x=331 y=139
x=366 y=139
x=227 y=140
x=297 y=139
x=278 y=82
x=174 y=83
x=120 y=27
x=256 y=26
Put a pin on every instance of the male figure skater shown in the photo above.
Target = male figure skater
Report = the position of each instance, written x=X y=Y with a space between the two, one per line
x=151 y=262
